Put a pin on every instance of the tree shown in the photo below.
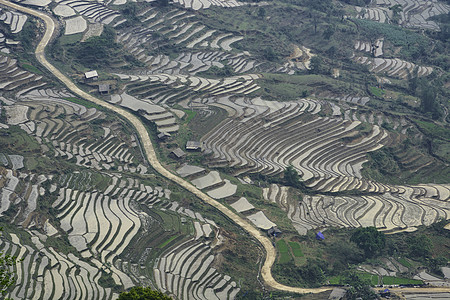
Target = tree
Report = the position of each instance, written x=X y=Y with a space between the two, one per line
x=7 y=278
x=428 y=101
x=435 y=264
x=261 y=12
x=162 y=3
x=143 y=293
x=315 y=21
x=413 y=80
x=396 y=10
x=345 y=254
x=360 y=288
x=420 y=246
x=370 y=240
x=97 y=50
x=313 y=272
x=269 y=54
x=316 y=64
x=328 y=32
x=292 y=178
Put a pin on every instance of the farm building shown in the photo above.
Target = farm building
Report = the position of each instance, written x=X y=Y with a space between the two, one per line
x=91 y=75
x=274 y=231
x=193 y=146
x=162 y=136
x=337 y=294
x=178 y=153
x=103 y=89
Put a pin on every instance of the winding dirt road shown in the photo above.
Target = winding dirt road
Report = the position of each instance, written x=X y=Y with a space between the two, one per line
x=152 y=158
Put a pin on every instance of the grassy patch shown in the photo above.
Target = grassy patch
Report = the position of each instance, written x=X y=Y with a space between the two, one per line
x=289 y=87
x=201 y=123
x=60 y=244
x=434 y=130
x=31 y=163
x=282 y=247
x=166 y=242
x=32 y=69
x=190 y=114
x=70 y=39
x=441 y=149
x=296 y=250
x=83 y=102
x=404 y=262
x=16 y=141
x=391 y=280
x=107 y=281
x=373 y=279
x=170 y=222
x=99 y=181
x=336 y=280
x=409 y=41
x=42 y=164
x=376 y=91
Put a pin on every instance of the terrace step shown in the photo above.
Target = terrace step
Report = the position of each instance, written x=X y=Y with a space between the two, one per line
x=388 y=211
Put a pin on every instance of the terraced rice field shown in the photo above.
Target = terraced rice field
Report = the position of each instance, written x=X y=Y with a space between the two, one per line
x=204 y=4
x=98 y=12
x=3 y=47
x=211 y=182
x=163 y=118
x=219 y=188
x=170 y=89
x=16 y=80
x=186 y=271
x=376 y=49
x=266 y=137
x=101 y=217
x=403 y=208
x=18 y=192
x=100 y=225
x=46 y=115
x=14 y=20
x=45 y=273
x=203 y=47
x=75 y=25
x=394 y=67
x=415 y=13
x=105 y=223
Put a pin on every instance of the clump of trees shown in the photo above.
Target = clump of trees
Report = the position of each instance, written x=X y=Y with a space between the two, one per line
x=428 y=101
x=370 y=240
x=360 y=288
x=292 y=178
x=130 y=11
x=312 y=274
x=357 y=2
x=420 y=246
x=28 y=35
x=7 y=277
x=97 y=51
x=143 y=293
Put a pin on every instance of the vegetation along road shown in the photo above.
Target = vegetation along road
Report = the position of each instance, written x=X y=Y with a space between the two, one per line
x=153 y=160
